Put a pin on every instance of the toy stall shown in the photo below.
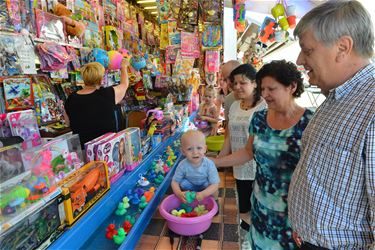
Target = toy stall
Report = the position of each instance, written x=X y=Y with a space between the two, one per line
x=50 y=189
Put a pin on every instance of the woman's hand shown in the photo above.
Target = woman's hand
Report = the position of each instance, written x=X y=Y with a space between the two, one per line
x=124 y=64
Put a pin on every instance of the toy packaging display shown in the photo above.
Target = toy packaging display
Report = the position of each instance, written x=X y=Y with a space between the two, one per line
x=18 y=93
x=92 y=146
x=83 y=188
x=50 y=26
x=35 y=228
x=112 y=151
x=133 y=154
x=55 y=160
x=24 y=124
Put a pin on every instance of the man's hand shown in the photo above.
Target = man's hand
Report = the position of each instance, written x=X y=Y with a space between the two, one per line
x=297 y=239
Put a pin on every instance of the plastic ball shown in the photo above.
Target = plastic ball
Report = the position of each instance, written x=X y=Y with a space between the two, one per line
x=100 y=56
x=115 y=59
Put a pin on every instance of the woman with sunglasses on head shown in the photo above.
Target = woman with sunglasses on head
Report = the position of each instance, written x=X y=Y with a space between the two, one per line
x=274 y=144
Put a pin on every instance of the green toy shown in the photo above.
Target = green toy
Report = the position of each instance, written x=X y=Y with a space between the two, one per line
x=120 y=236
x=143 y=203
x=121 y=210
x=190 y=196
x=130 y=218
x=187 y=208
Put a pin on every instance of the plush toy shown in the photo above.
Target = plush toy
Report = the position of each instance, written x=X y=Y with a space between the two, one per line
x=73 y=27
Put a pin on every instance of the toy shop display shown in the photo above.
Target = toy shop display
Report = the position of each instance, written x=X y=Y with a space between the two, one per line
x=91 y=147
x=239 y=13
x=83 y=188
x=49 y=26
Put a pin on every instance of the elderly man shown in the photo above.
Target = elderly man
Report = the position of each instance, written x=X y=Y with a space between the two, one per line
x=332 y=194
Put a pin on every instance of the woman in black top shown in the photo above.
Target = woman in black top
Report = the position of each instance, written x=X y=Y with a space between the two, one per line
x=91 y=110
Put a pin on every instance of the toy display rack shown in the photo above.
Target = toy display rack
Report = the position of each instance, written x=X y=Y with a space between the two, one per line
x=87 y=226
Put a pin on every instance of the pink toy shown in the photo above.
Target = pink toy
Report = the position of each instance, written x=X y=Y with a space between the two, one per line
x=92 y=146
x=115 y=59
x=187 y=226
x=24 y=124
x=112 y=150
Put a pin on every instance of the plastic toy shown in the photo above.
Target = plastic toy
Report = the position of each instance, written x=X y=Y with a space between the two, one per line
x=143 y=203
x=133 y=155
x=15 y=197
x=120 y=236
x=149 y=194
x=200 y=210
x=110 y=231
x=125 y=201
x=239 y=13
x=49 y=26
x=178 y=213
x=189 y=215
x=18 y=93
x=190 y=196
x=159 y=179
x=100 y=56
x=143 y=181
x=267 y=32
x=130 y=218
x=127 y=226
x=121 y=210
x=186 y=207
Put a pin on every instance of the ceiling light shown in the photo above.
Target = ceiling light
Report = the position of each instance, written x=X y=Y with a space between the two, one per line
x=150 y=7
x=146 y=1
x=154 y=12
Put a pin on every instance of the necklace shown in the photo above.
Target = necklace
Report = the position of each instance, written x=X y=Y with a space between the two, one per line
x=245 y=106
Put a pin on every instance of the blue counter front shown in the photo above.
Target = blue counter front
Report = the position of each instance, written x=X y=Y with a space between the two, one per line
x=89 y=231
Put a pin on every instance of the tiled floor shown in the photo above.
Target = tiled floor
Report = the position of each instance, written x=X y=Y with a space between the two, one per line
x=223 y=233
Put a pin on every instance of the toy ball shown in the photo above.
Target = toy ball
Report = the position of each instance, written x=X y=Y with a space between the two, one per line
x=100 y=56
x=115 y=59
x=138 y=63
x=125 y=53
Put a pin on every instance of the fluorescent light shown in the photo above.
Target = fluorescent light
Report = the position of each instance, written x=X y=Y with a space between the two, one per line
x=151 y=7
x=154 y=12
x=146 y=1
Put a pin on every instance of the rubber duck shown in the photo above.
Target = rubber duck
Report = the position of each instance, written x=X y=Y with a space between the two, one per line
x=166 y=168
x=190 y=196
x=159 y=179
x=143 y=203
x=125 y=200
x=120 y=236
x=149 y=194
x=121 y=210
x=130 y=218
x=110 y=231
x=186 y=207
x=143 y=182
x=200 y=210
x=178 y=213
x=127 y=226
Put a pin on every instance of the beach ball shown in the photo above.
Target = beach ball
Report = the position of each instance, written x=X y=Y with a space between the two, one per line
x=115 y=59
x=100 y=56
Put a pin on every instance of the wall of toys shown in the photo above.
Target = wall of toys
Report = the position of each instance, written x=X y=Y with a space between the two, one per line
x=48 y=185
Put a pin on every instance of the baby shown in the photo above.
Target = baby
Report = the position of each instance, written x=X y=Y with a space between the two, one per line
x=208 y=113
x=196 y=172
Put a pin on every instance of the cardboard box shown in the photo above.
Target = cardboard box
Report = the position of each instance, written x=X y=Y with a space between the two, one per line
x=83 y=188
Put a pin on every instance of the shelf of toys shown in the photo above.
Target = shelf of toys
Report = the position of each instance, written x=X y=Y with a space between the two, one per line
x=43 y=44
x=121 y=204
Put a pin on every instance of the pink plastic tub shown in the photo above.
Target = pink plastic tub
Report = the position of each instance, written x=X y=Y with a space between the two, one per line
x=187 y=226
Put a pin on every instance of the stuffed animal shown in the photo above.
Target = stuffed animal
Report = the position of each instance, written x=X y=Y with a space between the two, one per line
x=73 y=27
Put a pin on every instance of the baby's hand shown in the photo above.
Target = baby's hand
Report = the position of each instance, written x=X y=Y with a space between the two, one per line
x=199 y=196
x=181 y=195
